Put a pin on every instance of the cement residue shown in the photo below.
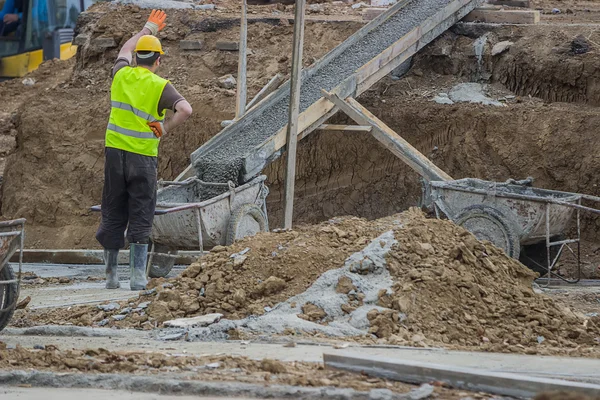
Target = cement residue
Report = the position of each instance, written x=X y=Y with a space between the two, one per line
x=221 y=159
x=472 y=93
x=322 y=294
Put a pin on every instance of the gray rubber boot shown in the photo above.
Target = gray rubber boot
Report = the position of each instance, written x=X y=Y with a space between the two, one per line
x=138 y=255
x=111 y=258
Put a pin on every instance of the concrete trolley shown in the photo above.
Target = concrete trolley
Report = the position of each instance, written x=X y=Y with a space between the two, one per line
x=199 y=215
x=513 y=216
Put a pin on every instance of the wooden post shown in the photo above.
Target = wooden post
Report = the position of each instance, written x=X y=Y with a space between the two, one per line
x=294 y=111
x=240 y=105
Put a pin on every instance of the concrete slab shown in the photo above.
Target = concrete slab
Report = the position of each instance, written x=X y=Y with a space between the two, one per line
x=76 y=294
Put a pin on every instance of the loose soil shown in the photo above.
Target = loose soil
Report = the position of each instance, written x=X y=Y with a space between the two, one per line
x=449 y=289
x=206 y=368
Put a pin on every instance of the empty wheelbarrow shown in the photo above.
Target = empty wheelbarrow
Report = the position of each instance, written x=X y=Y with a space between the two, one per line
x=12 y=235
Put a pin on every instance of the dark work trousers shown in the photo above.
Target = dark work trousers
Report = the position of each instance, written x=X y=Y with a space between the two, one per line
x=128 y=198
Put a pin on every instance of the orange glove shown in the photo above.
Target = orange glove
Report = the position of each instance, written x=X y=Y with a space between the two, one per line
x=156 y=21
x=158 y=128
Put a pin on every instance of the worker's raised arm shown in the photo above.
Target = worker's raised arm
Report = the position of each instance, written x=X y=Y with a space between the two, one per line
x=155 y=24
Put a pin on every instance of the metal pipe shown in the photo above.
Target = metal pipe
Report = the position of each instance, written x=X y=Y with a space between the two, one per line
x=549 y=265
x=519 y=197
x=199 y=222
x=568 y=241
x=11 y=233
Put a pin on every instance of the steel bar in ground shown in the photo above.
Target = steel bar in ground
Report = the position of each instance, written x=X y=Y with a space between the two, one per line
x=505 y=384
x=294 y=111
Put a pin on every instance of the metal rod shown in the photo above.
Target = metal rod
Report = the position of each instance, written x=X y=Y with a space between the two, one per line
x=150 y=261
x=518 y=197
x=9 y=282
x=568 y=241
x=14 y=222
x=12 y=233
x=294 y=111
x=549 y=265
x=199 y=222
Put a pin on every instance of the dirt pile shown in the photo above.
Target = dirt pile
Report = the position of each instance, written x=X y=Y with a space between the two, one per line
x=232 y=280
x=452 y=289
x=446 y=289
x=207 y=368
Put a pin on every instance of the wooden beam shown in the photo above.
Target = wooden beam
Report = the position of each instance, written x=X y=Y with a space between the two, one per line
x=345 y=128
x=390 y=139
x=511 y=3
x=294 y=111
x=499 y=383
x=269 y=88
x=240 y=104
x=504 y=16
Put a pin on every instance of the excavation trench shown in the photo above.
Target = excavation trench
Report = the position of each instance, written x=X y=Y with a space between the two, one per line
x=55 y=172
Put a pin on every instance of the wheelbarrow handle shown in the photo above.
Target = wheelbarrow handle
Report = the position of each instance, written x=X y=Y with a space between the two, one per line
x=99 y=208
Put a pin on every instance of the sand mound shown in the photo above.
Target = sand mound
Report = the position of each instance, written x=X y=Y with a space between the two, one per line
x=453 y=289
x=402 y=280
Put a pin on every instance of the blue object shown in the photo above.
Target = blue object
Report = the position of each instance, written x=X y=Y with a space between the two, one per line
x=9 y=8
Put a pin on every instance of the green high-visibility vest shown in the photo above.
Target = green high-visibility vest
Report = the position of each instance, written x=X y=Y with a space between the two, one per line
x=134 y=95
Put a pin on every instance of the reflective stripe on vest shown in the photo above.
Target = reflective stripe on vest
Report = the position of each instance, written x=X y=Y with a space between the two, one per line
x=135 y=94
x=127 y=107
x=129 y=132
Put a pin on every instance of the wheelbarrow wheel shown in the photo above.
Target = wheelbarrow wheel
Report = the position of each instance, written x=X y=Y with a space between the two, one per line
x=247 y=220
x=488 y=223
x=8 y=296
x=163 y=261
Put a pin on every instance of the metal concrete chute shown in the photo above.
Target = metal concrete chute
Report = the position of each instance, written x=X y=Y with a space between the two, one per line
x=259 y=136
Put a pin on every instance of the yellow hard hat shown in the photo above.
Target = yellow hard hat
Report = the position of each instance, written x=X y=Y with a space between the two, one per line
x=149 y=43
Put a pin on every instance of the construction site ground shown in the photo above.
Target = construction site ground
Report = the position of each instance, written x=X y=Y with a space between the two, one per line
x=432 y=293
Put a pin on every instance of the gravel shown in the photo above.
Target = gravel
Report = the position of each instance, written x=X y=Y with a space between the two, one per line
x=222 y=159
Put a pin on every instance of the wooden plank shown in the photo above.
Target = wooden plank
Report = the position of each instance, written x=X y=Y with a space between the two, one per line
x=390 y=139
x=240 y=103
x=269 y=88
x=504 y=16
x=499 y=383
x=511 y=3
x=294 y=111
x=373 y=12
x=345 y=128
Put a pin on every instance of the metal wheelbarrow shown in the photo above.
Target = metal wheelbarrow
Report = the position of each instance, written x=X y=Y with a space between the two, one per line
x=515 y=216
x=198 y=215
x=12 y=237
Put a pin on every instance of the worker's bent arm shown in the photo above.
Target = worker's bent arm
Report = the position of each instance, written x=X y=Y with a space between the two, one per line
x=129 y=46
x=183 y=110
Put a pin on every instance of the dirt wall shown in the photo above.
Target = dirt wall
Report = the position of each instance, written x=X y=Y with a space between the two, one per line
x=56 y=172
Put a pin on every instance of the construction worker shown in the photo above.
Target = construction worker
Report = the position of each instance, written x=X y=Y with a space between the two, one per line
x=139 y=99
